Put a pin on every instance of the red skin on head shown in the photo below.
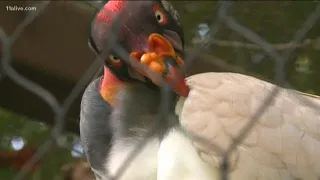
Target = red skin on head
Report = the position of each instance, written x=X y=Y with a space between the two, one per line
x=114 y=6
x=110 y=83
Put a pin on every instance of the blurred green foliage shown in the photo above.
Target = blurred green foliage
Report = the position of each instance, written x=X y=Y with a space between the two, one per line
x=274 y=21
x=34 y=134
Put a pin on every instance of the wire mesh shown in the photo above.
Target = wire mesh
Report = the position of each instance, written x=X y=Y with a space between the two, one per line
x=222 y=18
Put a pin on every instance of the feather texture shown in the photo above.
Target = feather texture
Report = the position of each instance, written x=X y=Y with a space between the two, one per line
x=283 y=144
x=95 y=129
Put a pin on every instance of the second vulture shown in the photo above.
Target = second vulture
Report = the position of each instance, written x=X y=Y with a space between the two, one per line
x=119 y=108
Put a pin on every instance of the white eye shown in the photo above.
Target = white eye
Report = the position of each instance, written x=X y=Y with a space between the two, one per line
x=160 y=16
x=114 y=59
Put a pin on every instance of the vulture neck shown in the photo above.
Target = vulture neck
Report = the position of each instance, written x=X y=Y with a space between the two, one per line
x=133 y=115
x=139 y=101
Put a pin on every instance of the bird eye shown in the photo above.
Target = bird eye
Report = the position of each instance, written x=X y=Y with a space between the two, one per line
x=115 y=61
x=114 y=58
x=160 y=15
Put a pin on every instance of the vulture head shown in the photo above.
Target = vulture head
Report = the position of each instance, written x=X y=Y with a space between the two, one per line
x=150 y=32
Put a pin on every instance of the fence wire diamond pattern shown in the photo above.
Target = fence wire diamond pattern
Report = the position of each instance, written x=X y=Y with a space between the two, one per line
x=222 y=18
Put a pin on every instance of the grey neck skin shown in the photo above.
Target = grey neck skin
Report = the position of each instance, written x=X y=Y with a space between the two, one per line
x=137 y=111
x=134 y=115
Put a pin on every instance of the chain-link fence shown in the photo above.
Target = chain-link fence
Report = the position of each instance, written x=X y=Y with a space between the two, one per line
x=279 y=53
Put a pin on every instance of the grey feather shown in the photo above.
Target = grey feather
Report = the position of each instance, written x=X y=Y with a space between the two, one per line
x=106 y=131
x=95 y=129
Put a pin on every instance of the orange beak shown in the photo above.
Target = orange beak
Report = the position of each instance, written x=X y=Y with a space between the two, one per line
x=162 y=60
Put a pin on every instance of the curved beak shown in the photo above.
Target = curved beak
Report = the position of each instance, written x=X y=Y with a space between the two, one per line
x=162 y=60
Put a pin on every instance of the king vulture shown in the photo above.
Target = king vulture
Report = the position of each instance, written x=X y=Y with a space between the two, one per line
x=119 y=108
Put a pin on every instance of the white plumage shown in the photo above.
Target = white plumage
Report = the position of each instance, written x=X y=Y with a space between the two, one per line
x=178 y=159
x=144 y=164
x=283 y=144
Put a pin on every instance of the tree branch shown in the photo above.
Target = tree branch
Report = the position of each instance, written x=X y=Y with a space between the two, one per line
x=313 y=43
x=222 y=64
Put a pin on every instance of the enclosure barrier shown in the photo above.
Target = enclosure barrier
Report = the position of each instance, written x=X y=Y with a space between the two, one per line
x=222 y=19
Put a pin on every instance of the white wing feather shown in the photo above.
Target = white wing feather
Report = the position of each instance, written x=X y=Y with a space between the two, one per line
x=283 y=144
